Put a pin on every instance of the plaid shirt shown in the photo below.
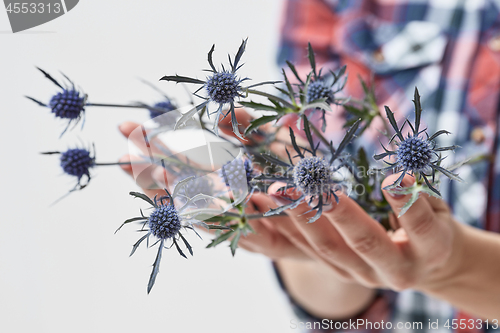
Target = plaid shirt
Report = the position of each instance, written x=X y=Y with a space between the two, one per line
x=450 y=50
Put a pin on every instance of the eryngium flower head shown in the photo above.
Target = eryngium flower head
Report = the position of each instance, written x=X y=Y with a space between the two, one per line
x=77 y=162
x=69 y=104
x=164 y=222
x=313 y=176
x=414 y=154
x=236 y=171
x=198 y=185
x=223 y=87
x=165 y=105
x=319 y=89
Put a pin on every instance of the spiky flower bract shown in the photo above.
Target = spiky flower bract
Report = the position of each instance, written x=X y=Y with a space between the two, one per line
x=313 y=176
x=165 y=223
x=68 y=104
x=417 y=154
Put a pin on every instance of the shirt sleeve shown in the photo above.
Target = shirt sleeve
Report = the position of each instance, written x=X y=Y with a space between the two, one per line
x=306 y=21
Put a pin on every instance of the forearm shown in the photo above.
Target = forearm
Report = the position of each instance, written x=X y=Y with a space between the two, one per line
x=475 y=285
x=316 y=288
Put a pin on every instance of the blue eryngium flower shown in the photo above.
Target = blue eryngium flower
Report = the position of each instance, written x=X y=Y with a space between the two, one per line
x=222 y=86
x=313 y=176
x=68 y=104
x=163 y=118
x=76 y=162
x=238 y=170
x=415 y=154
x=165 y=223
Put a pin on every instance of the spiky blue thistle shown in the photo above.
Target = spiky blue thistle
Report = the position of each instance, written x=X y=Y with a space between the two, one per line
x=68 y=104
x=417 y=154
x=222 y=87
x=238 y=171
x=414 y=153
x=77 y=162
x=166 y=105
x=314 y=177
x=319 y=90
x=164 y=222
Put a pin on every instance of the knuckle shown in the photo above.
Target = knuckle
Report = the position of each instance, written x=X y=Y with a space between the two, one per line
x=423 y=226
x=366 y=244
x=326 y=249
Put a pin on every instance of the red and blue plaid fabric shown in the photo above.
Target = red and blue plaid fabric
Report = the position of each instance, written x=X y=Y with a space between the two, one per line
x=450 y=50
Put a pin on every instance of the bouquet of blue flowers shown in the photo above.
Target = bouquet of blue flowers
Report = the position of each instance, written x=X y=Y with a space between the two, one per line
x=217 y=195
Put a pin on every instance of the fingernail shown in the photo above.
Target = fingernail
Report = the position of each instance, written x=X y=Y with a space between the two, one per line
x=395 y=195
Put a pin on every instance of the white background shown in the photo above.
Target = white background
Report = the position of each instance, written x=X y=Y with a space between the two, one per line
x=61 y=268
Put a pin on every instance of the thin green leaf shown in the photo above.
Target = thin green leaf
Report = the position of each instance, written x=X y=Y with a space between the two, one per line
x=312 y=60
x=307 y=130
x=257 y=122
x=294 y=71
x=220 y=239
x=234 y=242
x=239 y=53
x=347 y=139
x=294 y=143
x=392 y=121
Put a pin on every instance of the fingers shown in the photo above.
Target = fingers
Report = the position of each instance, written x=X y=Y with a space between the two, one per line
x=424 y=229
x=142 y=174
x=270 y=242
x=365 y=236
x=243 y=119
